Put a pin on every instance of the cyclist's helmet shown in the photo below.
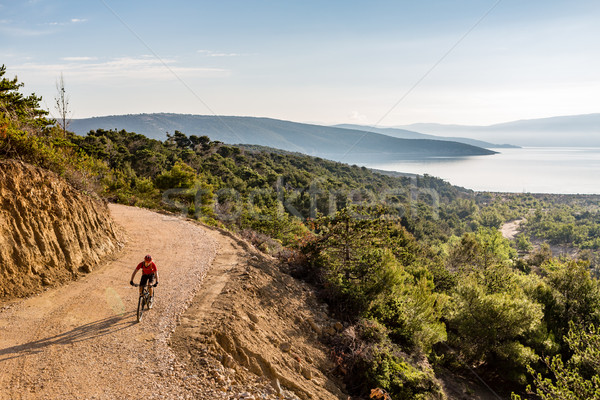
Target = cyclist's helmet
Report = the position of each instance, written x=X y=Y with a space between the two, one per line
x=148 y=257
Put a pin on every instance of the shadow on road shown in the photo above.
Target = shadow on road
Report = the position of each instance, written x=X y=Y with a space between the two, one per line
x=81 y=333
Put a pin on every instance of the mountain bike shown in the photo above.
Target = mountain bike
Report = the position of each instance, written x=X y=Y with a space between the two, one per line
x=145 y=300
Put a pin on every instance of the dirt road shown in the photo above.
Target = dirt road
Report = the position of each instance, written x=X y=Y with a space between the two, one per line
x=81 y=341
x=510 y=229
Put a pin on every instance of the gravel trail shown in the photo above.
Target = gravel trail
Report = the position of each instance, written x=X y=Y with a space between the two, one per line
x=510 y=229
x=81 y=341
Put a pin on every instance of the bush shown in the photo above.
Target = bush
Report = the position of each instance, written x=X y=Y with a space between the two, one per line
x=488 y=328
x=365 y=357
x=400 y=379
x=413 y=316
x=579 y=377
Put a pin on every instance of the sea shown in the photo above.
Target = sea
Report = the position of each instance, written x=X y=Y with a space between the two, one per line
x=563 y=170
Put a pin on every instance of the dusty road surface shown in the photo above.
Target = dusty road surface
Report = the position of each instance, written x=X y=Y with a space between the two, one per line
x=510 y=229
x=81 y=341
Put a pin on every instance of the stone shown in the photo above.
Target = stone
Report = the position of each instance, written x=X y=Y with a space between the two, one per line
x=222 y=380
x=254 y=366
x=307 y=373
x=253 y=317
x=228 y=361
x=277 y=386
x=285 y=347
x=314 y=326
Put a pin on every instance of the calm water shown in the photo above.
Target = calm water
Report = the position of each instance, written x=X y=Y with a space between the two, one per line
x=532 y=169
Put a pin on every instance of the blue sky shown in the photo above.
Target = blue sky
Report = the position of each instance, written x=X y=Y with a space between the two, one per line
x=370 y=62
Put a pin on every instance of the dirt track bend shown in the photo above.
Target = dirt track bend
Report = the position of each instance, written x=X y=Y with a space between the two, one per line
x=81 y=341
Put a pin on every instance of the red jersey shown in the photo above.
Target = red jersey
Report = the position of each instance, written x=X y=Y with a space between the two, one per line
x=147 y=269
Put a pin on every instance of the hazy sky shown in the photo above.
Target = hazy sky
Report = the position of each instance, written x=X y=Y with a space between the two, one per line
x=376 y=62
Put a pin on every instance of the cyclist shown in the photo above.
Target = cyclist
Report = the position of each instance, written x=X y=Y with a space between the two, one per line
x=149 y=272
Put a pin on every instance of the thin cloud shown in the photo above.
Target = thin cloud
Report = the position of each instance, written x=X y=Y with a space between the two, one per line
x=10 y=28
x=70 y=22
x=210 y=53
x=80 y=69
x=79 y=58
x=355 y=116
x=18 y=31
x=224 y=55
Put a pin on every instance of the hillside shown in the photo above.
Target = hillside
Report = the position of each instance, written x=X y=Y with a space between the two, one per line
x=50 y=233
x=406 y=134
x=253 y=329
x=426 y=290
x=563 y=131
x=240 y=328
x=352 y=146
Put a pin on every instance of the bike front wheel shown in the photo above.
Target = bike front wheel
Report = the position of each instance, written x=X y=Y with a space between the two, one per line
x=150 y=302
x=140 y=309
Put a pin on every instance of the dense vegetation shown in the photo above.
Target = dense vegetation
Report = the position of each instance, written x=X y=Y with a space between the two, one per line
x=416 y=268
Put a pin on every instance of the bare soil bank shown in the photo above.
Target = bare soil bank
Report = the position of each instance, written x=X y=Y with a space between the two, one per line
x=254 y=332
x=50 y=233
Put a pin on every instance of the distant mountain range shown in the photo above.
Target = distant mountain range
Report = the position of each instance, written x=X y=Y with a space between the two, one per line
x=339 y=144
x=407 y=134
x=565 y=131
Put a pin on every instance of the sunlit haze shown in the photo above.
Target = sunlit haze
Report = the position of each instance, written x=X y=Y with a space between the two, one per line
x=364 y=62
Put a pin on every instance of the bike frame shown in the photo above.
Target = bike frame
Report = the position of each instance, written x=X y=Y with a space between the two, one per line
x=144 y=300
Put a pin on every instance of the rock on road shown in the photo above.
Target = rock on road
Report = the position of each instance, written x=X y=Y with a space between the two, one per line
x=81 y=341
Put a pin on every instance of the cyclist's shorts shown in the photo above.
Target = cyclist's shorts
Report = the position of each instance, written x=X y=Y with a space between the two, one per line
x=149 y=278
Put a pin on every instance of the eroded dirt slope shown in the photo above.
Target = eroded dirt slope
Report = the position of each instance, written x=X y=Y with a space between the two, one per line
x=253 y=332
x=49 y=232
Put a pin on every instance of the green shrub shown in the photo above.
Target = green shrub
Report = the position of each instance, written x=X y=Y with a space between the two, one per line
x=489 y=327
x=400 y=379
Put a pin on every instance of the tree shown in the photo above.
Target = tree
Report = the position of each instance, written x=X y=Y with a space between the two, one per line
x=180 y=176
x=489 y=327
x=61 y=104
x=490 y=219
x=574 y=296
x=482 y=249
x=412 y=314
x=202 y=141
x=15 y=104
x=523 y=243
x=579 y=377
x=353 y=262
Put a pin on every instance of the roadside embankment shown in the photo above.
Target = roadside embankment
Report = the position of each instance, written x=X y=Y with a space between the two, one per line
x=50 y=233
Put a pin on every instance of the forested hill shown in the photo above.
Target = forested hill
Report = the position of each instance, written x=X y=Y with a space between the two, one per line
x=406 y=134
x=332 y=143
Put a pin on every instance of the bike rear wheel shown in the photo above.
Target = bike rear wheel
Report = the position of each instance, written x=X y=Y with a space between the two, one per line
x=140 y=309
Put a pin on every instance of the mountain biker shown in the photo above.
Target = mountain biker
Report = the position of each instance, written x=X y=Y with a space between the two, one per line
x=149 y=272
